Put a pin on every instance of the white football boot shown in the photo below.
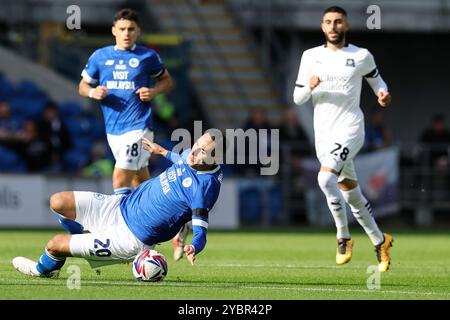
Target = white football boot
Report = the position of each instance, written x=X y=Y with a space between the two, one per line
x=28 y=267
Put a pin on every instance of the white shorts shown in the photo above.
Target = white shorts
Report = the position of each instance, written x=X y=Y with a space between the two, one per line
x=128 y=149
x=338 y=155
x=110 y=240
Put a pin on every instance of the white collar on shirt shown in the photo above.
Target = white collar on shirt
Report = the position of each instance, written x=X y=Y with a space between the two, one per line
x=210 y=171
x=131 y=49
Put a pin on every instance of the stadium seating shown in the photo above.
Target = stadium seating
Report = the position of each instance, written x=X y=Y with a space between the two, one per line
x=11 y=161
x=6 y=88
x=74 y=160
x=250 y=205
x=276 y=204
x=254 y=196
x=27 y=101
x=70 y=109
x=84 y=128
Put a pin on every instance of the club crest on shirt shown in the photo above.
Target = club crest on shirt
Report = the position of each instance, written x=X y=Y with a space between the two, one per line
x=350 y=63
x=134 y=62
x=187 y=182
x=99 y=196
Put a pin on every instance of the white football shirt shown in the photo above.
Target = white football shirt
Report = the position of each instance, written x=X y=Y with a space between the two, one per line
x=336 y=99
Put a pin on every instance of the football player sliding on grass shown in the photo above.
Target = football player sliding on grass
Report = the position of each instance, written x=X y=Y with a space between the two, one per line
x=121 y=226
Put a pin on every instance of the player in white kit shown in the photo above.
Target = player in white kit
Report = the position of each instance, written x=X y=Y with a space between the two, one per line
x=331 y=75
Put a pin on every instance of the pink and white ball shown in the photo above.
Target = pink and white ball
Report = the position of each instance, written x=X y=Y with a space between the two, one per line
x=150 y=266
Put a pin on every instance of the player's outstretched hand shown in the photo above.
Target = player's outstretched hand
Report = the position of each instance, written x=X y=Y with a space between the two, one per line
x=146 y=94
x=190 y=253
x=314 y=81
x=99 y=93
x=384 y=98
x=152 y=147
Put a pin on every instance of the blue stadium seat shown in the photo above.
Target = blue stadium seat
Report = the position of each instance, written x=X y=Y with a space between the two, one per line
x=70 y=109
x=17 y=103
x=10 y=161
x=96 y=128
x=7 y=89
x=79 y=133
x=250 y=208
x=27 y=106
x=276 y=204
x=19 y=119
x=75 y=160
x=28 y=87
x=84 y=129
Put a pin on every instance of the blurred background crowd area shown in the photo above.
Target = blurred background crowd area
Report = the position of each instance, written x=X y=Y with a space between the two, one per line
x=234 y=64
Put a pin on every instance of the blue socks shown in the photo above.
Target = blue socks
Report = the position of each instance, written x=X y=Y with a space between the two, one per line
x=71 y=226
x=48 y=263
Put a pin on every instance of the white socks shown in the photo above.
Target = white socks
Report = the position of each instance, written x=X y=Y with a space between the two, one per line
x=328 y=184
x=363 y=213
x=359 y=205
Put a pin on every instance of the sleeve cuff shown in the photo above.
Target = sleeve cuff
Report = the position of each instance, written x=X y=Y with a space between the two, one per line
x=159 y=74
x=88 y=78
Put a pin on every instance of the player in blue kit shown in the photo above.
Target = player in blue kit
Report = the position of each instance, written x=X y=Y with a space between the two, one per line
x=120 y=77
x=121 y=226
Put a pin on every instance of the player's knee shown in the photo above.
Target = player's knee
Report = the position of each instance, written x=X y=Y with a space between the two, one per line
x=351 y=198
x=354 y=198
x=57 y=202
x=61 y=202
x=327 y=180
x=56 y=245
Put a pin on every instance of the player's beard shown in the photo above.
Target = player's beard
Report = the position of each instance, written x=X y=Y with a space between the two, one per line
x=340 y=38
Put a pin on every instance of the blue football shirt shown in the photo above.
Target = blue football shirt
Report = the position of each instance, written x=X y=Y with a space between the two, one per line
x=159 y=207
x=123 y=72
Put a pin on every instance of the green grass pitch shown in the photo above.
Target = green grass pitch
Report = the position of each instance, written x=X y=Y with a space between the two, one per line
x=246 y=265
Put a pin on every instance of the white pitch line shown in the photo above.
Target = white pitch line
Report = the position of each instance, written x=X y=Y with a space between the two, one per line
x=301 y=266
x=263 y=265
x=228 y=285
x=78 y=261
x=227 y=265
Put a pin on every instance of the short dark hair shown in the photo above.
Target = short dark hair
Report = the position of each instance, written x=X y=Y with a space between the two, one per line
x=335 y=9
x=126 y=14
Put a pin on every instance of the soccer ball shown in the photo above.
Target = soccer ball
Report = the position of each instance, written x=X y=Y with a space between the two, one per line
x=150 y=266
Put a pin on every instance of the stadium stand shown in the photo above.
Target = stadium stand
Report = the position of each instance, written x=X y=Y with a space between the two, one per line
x=230 y=57
x=27 y=101
x=226 y=72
